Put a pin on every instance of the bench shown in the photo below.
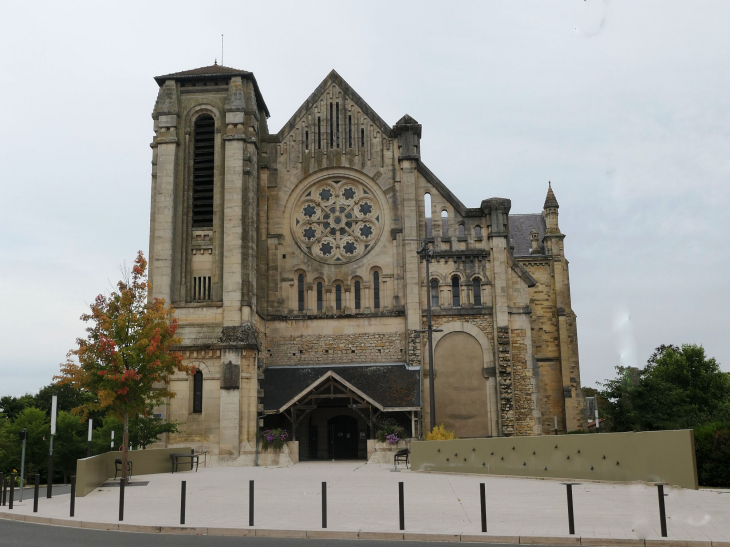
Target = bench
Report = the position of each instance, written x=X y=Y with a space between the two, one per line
x=401 y=456
x=175 y=460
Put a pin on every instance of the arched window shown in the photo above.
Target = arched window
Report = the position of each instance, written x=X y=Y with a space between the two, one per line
x=319 y=296
x=338 y=297
x=300 y=291
x=198 y=392
x=477 y=291
x=462 y=231
x=376 y=290
x=203 y=167
x=357 y=295
x=455 y=291
x=434 y=293
x=444 y=223
x=477 y=231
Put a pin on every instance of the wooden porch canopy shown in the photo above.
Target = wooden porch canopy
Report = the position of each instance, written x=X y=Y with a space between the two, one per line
x=396 y=387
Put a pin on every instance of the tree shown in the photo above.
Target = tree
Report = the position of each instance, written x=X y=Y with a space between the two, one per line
x=71 y=445
x=36 y=445
x=126 y=357
x=678 y=388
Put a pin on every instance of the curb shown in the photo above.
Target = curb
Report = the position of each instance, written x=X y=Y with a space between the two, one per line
x=342 y=534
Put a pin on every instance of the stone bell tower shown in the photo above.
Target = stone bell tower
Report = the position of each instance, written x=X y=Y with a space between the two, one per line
x=203 y=245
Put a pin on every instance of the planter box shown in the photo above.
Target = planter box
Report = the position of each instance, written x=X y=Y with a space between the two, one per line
x=384 y=452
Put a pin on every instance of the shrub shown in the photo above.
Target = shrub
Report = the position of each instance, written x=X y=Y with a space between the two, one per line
x=712 y=448
x=440 y=433
x=273 y=438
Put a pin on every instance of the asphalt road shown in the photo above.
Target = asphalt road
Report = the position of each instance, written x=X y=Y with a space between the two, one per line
x=27 y=534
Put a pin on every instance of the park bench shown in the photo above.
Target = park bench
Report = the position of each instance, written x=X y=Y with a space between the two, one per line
x=401 y=456
x=175 y=460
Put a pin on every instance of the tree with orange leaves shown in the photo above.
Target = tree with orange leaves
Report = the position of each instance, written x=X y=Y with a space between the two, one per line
x=126 y=357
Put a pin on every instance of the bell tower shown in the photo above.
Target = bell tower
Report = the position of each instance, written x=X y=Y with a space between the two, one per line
x=203 y=241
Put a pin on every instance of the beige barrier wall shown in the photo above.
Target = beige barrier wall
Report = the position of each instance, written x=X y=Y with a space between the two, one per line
x=94 y=471
x=652 y=456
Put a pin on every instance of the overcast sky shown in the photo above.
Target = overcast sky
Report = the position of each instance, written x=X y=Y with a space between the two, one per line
x=623 y=105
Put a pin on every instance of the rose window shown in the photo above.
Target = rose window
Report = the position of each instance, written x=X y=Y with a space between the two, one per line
x=337 y=221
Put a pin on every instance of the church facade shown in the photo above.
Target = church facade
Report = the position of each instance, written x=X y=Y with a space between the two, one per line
x=292 y=261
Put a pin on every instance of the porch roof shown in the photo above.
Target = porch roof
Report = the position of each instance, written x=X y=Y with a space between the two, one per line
x=387 y=386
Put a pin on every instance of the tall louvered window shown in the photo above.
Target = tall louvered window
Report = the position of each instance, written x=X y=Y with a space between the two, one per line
x=357 y=295
x=300 y=292
x=338 y=297
x=203 y=166
x=320 y=303
x=198 y=393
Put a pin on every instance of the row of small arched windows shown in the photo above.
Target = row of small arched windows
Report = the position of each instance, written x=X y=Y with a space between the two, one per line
x=456 y=292
x=357 y=293
x=460 y=229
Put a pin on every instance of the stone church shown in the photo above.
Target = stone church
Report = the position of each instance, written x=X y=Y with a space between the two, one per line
x=292 y=261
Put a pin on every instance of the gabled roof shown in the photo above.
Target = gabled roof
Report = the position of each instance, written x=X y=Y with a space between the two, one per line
x=215 y=71
x=387 y=386
x=334 y=78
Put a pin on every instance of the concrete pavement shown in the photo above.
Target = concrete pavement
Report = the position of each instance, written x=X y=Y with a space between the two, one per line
x=364 y=498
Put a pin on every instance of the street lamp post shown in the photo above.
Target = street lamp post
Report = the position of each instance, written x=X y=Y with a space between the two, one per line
x=427 y=253
x=54 y=410
x=23 y=437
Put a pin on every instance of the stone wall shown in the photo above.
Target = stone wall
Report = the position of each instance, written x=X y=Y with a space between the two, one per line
x=379 y=347
x=524 y=405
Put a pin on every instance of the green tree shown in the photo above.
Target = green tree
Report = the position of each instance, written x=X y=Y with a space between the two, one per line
x=127 y=352
x=678 y=388
x=36 y=445
x=70 y=443
x=12 y=406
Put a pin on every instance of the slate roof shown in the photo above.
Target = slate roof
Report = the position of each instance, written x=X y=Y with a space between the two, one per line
x=213 y=71
x=520 y=227
x=392 y=385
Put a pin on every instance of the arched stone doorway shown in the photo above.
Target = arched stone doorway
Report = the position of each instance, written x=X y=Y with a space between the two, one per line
x=462 y=401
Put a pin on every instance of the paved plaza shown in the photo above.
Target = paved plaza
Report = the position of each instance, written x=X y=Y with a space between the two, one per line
x=364 y=498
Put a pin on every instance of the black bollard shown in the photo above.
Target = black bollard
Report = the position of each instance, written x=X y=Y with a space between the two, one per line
x=182 y=502
x=73 y=494
x=36 y=491
x=483 y=499
x=324 y=505
x=121 y=499
x=662 y=513
x=250 y=503
x=2 y=488
x=401 y=512
x=12 y=488
x=571 y=523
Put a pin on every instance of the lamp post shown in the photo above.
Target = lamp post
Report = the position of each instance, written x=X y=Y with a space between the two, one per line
x=23 y=437
x=88 y=443
x=427 y=253
x=54 y=411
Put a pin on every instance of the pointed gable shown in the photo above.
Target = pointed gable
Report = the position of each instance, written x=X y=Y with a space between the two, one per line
x=334 y=86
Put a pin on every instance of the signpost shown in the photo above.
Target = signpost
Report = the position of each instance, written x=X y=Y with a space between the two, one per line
x=54 y=411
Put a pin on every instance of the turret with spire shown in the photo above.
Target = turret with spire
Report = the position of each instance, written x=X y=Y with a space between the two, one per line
x=550 y=211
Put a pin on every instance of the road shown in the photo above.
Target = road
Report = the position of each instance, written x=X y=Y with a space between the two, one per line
x=26 y=534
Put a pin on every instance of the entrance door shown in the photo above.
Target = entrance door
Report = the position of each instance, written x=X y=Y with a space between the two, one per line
x=342 y=437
